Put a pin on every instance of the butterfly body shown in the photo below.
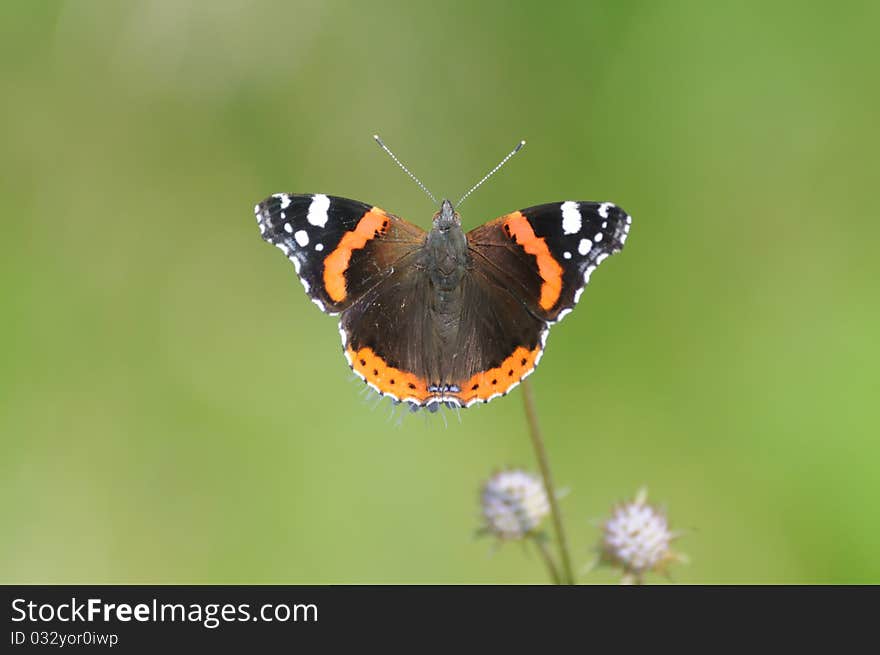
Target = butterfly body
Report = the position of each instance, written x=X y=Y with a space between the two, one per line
x=445 y=256
x=444 y=316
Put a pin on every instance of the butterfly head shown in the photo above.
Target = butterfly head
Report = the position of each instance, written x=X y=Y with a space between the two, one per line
x=447 y=217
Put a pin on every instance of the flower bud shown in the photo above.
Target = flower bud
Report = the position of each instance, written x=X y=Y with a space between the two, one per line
x=637 y=538
x=514 y=504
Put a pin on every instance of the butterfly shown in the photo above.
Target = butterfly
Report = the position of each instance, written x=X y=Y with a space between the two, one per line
x=442 y=317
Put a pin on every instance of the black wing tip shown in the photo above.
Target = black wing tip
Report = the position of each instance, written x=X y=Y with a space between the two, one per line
x=267 y=210
x=620 y=222
x=623 y=223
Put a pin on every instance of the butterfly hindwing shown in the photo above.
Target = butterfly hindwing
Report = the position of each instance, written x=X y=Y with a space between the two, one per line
x=500 y=341
x=547 y=253
x=339 y=247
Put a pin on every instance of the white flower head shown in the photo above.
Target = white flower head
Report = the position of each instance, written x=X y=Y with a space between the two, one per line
x=514 y=504
x=637 y=538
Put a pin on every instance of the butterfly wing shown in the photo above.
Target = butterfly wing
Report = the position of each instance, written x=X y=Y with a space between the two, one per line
x=389 y=335
x=499 y=341
x=340 y=248
x=546 y=254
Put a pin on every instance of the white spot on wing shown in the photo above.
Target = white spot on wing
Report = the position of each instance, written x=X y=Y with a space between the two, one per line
x=288 y=228
x=598 y=237
x=318 y=210
x=319 y=247
x=584 y=246
x=544 y=339
x=302 y=238
x=571 y=217
x=566 y=254
x=588 y=273
x=344 y=340
x=604 y=207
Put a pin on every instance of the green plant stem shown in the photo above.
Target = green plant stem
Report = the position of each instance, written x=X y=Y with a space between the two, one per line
x=544 y=465
x=541 y=545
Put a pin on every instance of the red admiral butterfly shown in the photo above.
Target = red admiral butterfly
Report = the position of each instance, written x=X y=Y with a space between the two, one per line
x=442 y=317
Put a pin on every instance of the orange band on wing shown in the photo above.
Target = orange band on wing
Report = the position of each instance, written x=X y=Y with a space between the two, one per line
x=408 y=386
x=483 y=386
x=518 y=228
x=372 y=224
x=387 y=379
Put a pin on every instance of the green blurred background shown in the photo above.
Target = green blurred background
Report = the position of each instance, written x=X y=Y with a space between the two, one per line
x=174 y=409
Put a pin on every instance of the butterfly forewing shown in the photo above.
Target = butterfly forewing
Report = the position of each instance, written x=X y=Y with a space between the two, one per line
x=339 y=247
x=547 y=253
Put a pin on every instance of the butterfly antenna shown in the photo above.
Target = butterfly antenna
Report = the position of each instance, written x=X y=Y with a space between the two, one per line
x=493 y=171
x=405 y=169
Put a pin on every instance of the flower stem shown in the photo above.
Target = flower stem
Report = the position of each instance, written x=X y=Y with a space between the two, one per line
x=544 y=465
x=541 y=545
